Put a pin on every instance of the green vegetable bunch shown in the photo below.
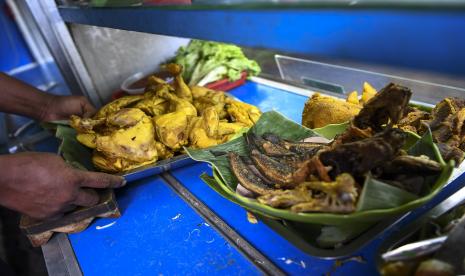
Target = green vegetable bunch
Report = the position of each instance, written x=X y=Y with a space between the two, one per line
x=206 y=61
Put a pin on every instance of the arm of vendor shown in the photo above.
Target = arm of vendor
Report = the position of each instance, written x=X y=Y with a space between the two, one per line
x=42 y=185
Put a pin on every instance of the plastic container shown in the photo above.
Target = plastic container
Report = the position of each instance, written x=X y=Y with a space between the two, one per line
x=132 y=85
x=336 y=79
x=135 y=84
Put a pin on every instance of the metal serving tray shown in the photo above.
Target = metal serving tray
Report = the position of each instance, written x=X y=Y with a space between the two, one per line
x=157 y=167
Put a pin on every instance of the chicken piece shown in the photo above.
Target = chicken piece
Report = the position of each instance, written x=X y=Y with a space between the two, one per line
x=153 y=104
x=320 y=111
x=178 y=104
x=182 y=90
x=367 y=93
x=203 y=130
x=225 y=128
x=131 y=144
x=352 y=134
x=87 y=139
x=447 y=126
x=200 y=91
x=85 y=125
x=172 y=128
x=163 y=151
x=353 y=98
x=242 y=113
x=154 y=82
x=212 y=99
x=115 y=165
x=116 y=105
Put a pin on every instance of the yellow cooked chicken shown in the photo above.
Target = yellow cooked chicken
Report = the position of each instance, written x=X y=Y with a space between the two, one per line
x=130 y=144
x=140 y=129
x=203 y=130
x=320 y=110
x=242 y=113
x=171 y=128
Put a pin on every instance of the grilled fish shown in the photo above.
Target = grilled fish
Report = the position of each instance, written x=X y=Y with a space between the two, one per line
x=246 y=177
x=357 y=158
x=284 y=175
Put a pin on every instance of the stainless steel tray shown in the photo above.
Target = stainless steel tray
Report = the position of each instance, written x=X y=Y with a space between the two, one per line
x=157 y=167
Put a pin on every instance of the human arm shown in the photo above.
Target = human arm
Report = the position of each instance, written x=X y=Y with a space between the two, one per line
x=20 y=98
x=42 y=185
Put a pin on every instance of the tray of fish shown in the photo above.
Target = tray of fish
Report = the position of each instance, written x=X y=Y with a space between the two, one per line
x=146 y=134
x=333 y=189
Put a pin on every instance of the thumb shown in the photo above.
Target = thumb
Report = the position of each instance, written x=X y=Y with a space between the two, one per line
x=101 y=180
x=88 y=110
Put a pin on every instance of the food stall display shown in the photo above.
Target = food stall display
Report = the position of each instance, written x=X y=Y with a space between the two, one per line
x=297 y=180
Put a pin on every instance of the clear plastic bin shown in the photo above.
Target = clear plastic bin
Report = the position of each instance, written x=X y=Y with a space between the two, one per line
x=337 y=79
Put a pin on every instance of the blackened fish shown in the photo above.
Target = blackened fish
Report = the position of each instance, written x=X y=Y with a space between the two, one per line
x=246 y=177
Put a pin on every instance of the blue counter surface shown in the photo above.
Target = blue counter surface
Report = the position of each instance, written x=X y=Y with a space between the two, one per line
x=159 y=233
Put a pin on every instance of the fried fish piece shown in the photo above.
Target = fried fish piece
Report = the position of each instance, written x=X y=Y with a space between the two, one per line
x=286 y=198
x=265 y=146
x=284 y=175
x=388 y=106
x=357 y=158
x=412 y=165
x=304 y=148
x=246 y=177
x=339 y=196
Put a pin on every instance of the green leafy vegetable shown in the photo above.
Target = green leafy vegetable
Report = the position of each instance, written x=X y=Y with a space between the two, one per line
x=206 y=61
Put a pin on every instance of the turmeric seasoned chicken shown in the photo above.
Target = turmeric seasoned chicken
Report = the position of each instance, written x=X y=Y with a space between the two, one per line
x=140 y=129
x=320 y=110
x=129 y=144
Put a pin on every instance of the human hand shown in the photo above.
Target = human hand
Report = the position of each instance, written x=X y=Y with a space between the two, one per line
x=42 y=185
x=61 y=107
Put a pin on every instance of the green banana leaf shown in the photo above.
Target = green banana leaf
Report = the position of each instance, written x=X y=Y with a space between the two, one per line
x=76 y=154
x=224 y=182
